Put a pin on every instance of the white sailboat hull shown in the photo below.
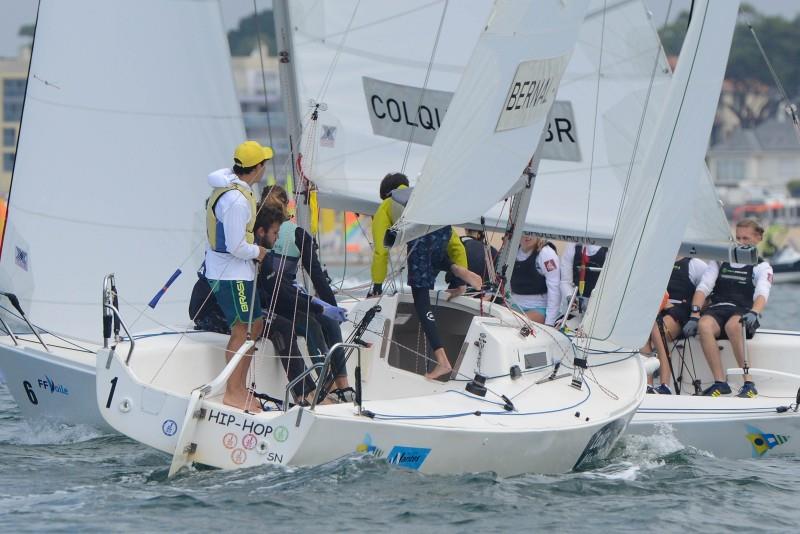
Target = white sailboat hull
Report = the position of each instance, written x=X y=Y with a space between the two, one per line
x=727 y=426
x=49 y=385
x=413 y=422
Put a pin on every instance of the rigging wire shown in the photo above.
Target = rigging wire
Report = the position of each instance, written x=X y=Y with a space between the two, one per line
x=264 y=87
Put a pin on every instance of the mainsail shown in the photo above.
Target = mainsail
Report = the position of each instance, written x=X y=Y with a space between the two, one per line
x=368 y=63
x=654 y=211
x=128 y=107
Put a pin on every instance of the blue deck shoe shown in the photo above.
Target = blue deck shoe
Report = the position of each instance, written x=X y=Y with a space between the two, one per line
x=748 y=390
x=663 y=389
x=716 y=389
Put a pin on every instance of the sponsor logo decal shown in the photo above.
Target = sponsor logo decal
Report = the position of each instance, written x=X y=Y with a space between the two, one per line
x=246 y=425
x=48 y=384
x=531 y=92
x=281 y=434
x=409 y=457
x=550 y=265
x=169 y=427
x=230 y=440
x=366 y=447
x=240 y=289
x=763 y=442
x=238 y=456
x=249 y=441
x=21 y=258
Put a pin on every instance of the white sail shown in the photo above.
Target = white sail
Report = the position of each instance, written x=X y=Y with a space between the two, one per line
x=654 y=212
x=384 y=55
x=126 y=112
x=498 y=111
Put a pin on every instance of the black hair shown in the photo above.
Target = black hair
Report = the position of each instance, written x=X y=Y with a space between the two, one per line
x=240 y=171
x=391 y=182
x=266 y=217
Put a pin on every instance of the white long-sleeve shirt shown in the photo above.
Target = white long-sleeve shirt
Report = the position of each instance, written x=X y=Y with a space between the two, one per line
x=547 y=265
x=233 y=210
x=567 y=272
x=762 y=278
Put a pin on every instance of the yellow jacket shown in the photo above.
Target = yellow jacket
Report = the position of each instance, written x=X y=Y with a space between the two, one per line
x=381 y=222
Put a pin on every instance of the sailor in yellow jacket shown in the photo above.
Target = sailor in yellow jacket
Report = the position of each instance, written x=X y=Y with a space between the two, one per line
x=438 y=250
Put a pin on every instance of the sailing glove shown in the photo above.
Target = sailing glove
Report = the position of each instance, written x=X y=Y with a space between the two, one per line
x=750 y=322
x=331 y=312
x=690 y=328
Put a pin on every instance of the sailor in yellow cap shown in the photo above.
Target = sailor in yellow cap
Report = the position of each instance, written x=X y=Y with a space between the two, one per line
x=230 y=251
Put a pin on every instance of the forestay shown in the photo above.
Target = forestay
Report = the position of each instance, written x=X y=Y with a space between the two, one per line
x=129 y=106
x=652 y=219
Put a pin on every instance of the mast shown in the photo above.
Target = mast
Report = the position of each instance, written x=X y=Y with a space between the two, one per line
x=519 y=209
x=291 y=106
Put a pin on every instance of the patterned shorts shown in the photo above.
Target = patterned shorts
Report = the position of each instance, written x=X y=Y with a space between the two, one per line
x=235 y=297
x=427 y=255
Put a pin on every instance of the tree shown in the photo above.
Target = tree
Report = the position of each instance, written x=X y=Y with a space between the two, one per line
x=244 y=39
x=750 y=92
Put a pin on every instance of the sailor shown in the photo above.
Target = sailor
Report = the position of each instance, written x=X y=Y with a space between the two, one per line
x=478 y=261
x=535 y=280
x=207 y=315
x=230 y=251
x=316 y=318
x=580 y=267
x=736 y=294
x=686 y=274
x=440 y=250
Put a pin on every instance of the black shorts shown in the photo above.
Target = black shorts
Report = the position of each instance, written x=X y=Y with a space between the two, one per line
x=679 y=313
x=722 y=314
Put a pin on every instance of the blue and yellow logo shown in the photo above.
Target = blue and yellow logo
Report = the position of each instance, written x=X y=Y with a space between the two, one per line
x=762 y=442
x=366 y=447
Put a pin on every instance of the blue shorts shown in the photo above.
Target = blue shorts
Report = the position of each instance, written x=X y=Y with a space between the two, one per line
x=235 y=297
x=427 y=255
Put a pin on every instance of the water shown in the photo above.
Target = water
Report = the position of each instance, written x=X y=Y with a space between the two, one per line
x=66 y=478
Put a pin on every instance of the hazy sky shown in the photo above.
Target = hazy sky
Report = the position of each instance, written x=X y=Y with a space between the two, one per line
x=15 y=13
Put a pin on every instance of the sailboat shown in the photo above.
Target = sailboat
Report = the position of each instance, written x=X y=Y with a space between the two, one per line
x=506 y=410
x=122 y=122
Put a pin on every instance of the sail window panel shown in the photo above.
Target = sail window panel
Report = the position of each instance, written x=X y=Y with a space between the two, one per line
x=9 y=137
x=8 y=161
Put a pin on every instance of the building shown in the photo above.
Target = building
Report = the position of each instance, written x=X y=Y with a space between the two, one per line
x=767 y=156
x=262 y=111
x=13 y=76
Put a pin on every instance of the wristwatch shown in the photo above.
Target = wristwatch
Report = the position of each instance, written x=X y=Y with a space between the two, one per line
x=695 y=308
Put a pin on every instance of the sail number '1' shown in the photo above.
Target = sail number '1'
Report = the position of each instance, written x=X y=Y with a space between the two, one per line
x=111 y=393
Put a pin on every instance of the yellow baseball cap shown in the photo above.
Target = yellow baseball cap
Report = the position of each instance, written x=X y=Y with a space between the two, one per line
x=250 y=154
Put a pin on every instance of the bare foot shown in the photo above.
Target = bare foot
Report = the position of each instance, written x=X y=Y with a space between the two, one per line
x=456 y=292
x=243 y=402
x=439 y=371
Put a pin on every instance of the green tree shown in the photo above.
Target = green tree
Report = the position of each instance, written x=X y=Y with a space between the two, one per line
x=751 y=92
x=244 y=39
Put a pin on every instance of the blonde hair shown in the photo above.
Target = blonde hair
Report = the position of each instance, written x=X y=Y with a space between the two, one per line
x=752 y=224
x=274 y=197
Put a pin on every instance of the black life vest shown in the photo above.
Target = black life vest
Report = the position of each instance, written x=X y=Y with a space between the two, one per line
x=680 y=286
x=476 y=256
x=526 y=280
x=734 y=286
x=597 y=260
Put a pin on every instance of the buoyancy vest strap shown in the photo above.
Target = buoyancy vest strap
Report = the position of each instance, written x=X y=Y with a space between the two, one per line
x=214 y=228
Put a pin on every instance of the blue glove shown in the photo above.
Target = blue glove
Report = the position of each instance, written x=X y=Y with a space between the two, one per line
x=331 y=312
x=750 y=322
x=690 y=328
